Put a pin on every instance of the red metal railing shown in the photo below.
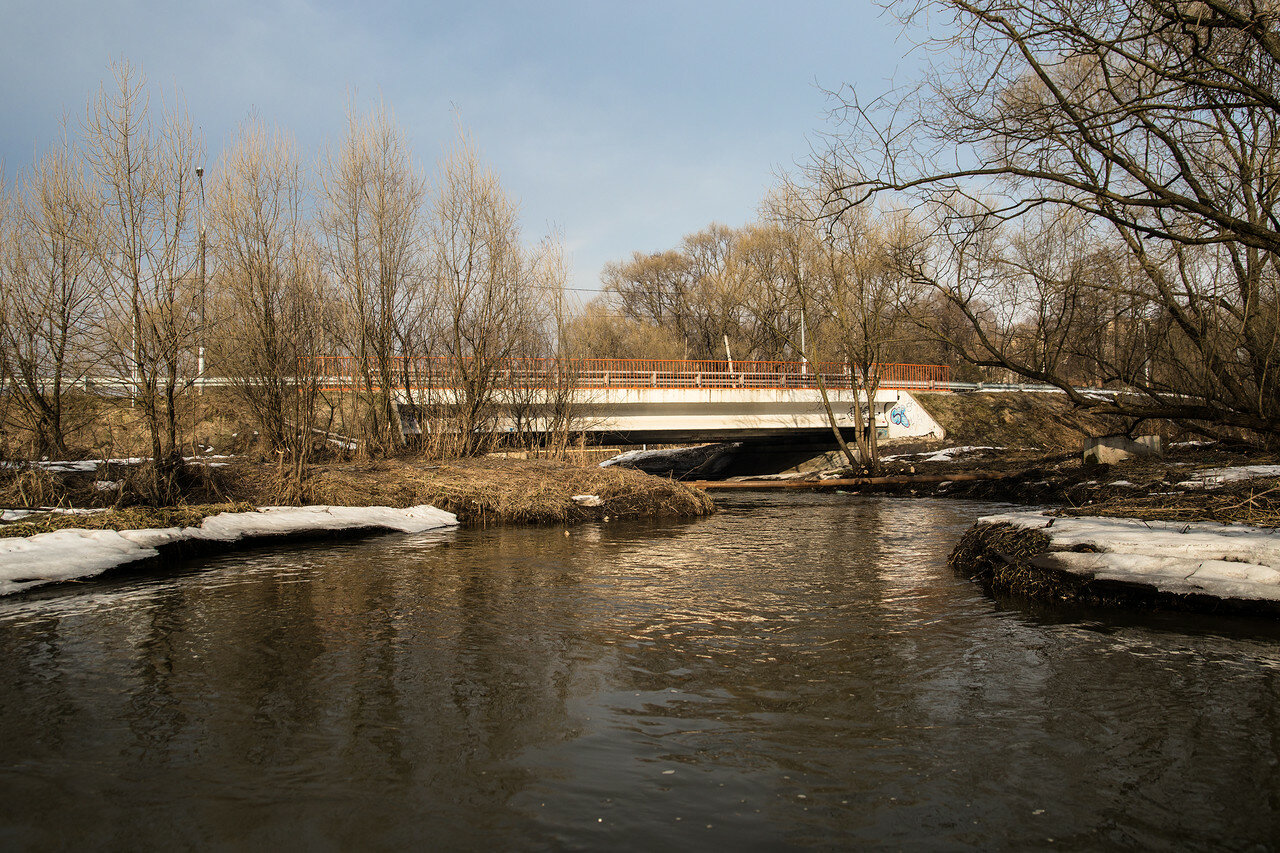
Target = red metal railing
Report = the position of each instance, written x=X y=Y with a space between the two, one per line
x=534 y=373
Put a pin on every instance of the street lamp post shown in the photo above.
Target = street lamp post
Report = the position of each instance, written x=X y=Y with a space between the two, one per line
x=200 y=347
x=804 y=345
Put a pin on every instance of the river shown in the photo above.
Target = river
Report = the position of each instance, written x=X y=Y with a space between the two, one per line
x=795 y=671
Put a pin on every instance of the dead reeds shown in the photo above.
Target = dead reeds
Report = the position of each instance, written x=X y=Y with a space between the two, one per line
x=1256 y=503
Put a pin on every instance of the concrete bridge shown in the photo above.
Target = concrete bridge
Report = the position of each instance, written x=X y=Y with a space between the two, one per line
x=683 y=415
x=674 y=401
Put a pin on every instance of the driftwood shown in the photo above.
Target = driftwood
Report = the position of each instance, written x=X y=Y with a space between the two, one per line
x=894 y=480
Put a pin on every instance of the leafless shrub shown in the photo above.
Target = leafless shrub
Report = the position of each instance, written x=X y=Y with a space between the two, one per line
x=147 y=252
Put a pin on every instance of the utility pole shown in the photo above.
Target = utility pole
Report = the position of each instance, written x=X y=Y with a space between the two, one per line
x=804 y=345
x=201 y=331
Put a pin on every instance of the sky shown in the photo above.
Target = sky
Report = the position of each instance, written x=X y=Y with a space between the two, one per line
x=623 y=126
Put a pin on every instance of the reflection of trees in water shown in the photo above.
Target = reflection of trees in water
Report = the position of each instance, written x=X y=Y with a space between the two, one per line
x=261 y=652
x=824 y=590
x=37 y=703
x=154 y=710
x=402 y=673
x=382 y=689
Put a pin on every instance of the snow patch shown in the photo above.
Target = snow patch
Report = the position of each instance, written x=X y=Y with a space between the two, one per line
x=633 y=456
x=1223 y=560
x=19 y=514
x=64 y=555
x=947 y=454
x=88 y=466
x=587 y=500
x=1213 y=478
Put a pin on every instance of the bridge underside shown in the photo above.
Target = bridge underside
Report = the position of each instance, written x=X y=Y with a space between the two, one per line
x=748 y=457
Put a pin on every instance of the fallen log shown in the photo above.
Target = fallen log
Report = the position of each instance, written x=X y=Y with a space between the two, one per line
x=892 y=480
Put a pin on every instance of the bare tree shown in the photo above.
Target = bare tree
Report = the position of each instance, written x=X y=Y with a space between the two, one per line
x=7 y=243
x=48 y=299
x=864 y=293
x=766 y=262
x=492 y=292
x=601 y=330
x=705 y=291
x=270 y=329
x=147 y=250
x=801 y=262
x=371 y=220
x=1157 y=121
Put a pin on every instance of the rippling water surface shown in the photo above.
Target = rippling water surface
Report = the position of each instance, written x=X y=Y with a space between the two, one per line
x=800 y=671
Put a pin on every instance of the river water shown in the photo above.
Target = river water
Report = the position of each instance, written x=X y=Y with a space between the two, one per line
x=792 y=672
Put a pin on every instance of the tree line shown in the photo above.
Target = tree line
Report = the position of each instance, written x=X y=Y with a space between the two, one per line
x=1074 y=193
x=1103 y=173
x=122 y=255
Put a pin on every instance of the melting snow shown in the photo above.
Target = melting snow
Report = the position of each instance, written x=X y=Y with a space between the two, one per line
x=947 y=454
x=631 y=456
x=73 y=554
x=19 y=514
x=88 y=466
x=1224 y=560
x=1212 y=478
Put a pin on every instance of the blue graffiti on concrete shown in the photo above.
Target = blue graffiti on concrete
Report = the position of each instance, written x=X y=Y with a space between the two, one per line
x=898 y=415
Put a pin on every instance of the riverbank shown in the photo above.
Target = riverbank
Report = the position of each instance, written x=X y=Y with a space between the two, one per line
x=1127 y=562
x=1195 y=481
x=79 y=552
x=62 y=544
x=493 y=490
x=480 y=492
x=1194 y=530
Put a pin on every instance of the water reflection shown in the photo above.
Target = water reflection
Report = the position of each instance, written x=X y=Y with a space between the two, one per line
x=787 y=673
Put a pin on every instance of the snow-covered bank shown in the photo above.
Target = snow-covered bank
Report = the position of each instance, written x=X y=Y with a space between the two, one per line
x=1222 y=561
x=74 y=554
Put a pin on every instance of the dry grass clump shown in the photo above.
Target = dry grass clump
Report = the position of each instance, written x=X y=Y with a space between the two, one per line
x=488 y=491
x=480 y=491
x=31 y=487
x=986 y=549
x=999 y=556
x=110 y=484
x=1252 y=503
x=126 y=518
